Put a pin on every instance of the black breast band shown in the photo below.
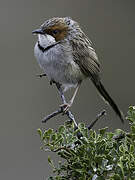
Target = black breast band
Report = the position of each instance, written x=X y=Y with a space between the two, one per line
x=47 y=48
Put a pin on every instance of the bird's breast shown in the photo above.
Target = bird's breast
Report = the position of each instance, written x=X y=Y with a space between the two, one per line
x=58 y=64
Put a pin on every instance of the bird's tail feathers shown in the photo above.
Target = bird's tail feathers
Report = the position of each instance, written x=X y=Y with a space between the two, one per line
x=108 y=99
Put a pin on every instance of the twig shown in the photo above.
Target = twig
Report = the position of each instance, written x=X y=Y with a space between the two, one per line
x=102 y=113
x=41 y=75
x=119 y=137
x=62 y=148
x=71 y=117
x=55 y=113
x=59 y=111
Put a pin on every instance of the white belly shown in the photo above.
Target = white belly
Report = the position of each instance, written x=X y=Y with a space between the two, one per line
x=59 y=66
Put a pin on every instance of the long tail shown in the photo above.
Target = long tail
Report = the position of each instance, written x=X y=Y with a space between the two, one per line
x=108 y=98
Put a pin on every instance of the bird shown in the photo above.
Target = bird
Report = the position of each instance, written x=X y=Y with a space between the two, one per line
x=67 y=57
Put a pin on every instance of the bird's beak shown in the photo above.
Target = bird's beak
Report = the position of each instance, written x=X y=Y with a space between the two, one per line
x=38 y=31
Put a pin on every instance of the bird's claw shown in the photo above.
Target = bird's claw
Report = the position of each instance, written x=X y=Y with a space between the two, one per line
x=65 y=107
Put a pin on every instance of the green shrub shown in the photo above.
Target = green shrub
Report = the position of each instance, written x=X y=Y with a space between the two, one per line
x=89 y=155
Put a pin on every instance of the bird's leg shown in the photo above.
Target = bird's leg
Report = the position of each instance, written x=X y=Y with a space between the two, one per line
x=61 y=93
x=61 y=110
x=65 y=105
x=68 y=113
x=41 y=75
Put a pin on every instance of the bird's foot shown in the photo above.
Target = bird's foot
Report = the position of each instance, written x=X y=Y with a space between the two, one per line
x=52 y=82
x=65 y=107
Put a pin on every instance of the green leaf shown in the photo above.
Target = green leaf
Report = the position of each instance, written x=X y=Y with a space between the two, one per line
x=133 y=129
x=59 y=141
x=103 y=131
x=81 y=126
x=120 y=164
x=99 y=158
x=54 y=137
x=91 y=155
x=121 y=149
x=49 y=131
x=109 y=135
x=132 y=148
x=49 y=160
x=116 y=177
x=50 y=178
x=51 y=163
x=61 y=129
x=131 y=114
x=39 y=132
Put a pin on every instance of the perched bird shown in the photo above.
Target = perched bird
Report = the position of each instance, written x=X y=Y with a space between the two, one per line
x=67 y=57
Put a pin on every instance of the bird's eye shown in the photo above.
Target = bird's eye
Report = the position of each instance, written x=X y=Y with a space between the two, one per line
x=55 y=31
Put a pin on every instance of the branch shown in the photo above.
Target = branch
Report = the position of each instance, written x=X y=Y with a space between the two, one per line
x=60 y=111
x=102 y=113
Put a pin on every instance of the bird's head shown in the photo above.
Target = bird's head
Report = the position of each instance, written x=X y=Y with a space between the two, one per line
x=56 y=29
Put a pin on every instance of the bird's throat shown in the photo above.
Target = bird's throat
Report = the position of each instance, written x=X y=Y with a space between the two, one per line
x=47 y=48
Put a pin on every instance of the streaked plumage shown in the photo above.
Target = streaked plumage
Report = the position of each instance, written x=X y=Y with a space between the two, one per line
x=67 y=57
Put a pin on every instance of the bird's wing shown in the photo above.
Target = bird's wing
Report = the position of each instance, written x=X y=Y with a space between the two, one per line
x=85 y=56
